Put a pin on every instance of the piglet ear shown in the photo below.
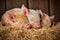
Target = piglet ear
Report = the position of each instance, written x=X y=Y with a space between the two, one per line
x=52 y=17
x=24 y=9
x=41 y=13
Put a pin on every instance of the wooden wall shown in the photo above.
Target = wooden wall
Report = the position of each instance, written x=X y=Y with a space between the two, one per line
x=57 y=10
x=2 y=7
x=51 y=7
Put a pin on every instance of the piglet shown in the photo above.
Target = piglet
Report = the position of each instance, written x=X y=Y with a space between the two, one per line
x=15 y=17
x=33 y=17
x=46 y=21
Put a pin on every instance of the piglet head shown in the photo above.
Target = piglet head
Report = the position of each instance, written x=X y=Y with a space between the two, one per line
x=43 y=15
x=46 y=20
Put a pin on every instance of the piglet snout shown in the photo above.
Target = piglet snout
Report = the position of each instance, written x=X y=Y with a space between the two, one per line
x=36 y=25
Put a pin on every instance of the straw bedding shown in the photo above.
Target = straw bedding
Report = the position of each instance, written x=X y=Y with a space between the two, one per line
x=19 y=33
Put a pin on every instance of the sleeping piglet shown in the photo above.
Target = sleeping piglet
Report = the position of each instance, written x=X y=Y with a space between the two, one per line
x=33 y=17
x=46 y=21
x=15 y=17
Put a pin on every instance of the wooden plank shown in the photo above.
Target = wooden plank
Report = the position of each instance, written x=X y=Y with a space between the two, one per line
x=14 y=3
x=57 y=10
x=52 y=7
x=39 y=4
x=2 y=7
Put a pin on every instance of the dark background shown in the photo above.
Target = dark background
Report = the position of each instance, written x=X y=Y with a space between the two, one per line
x=51 y=7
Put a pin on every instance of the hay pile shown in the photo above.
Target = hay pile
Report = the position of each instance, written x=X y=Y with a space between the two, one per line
x=17 y=33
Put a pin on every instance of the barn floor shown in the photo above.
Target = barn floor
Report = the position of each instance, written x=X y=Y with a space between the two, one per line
x=17 y=33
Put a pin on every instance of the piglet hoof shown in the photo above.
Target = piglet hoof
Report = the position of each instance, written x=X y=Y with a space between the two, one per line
x=27 y=26
x=36 y=26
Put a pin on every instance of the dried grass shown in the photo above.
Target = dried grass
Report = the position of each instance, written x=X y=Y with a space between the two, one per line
x=18 y=33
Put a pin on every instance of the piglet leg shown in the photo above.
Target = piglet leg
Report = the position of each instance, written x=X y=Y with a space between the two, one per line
x=36 y=25
x=27 y=26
